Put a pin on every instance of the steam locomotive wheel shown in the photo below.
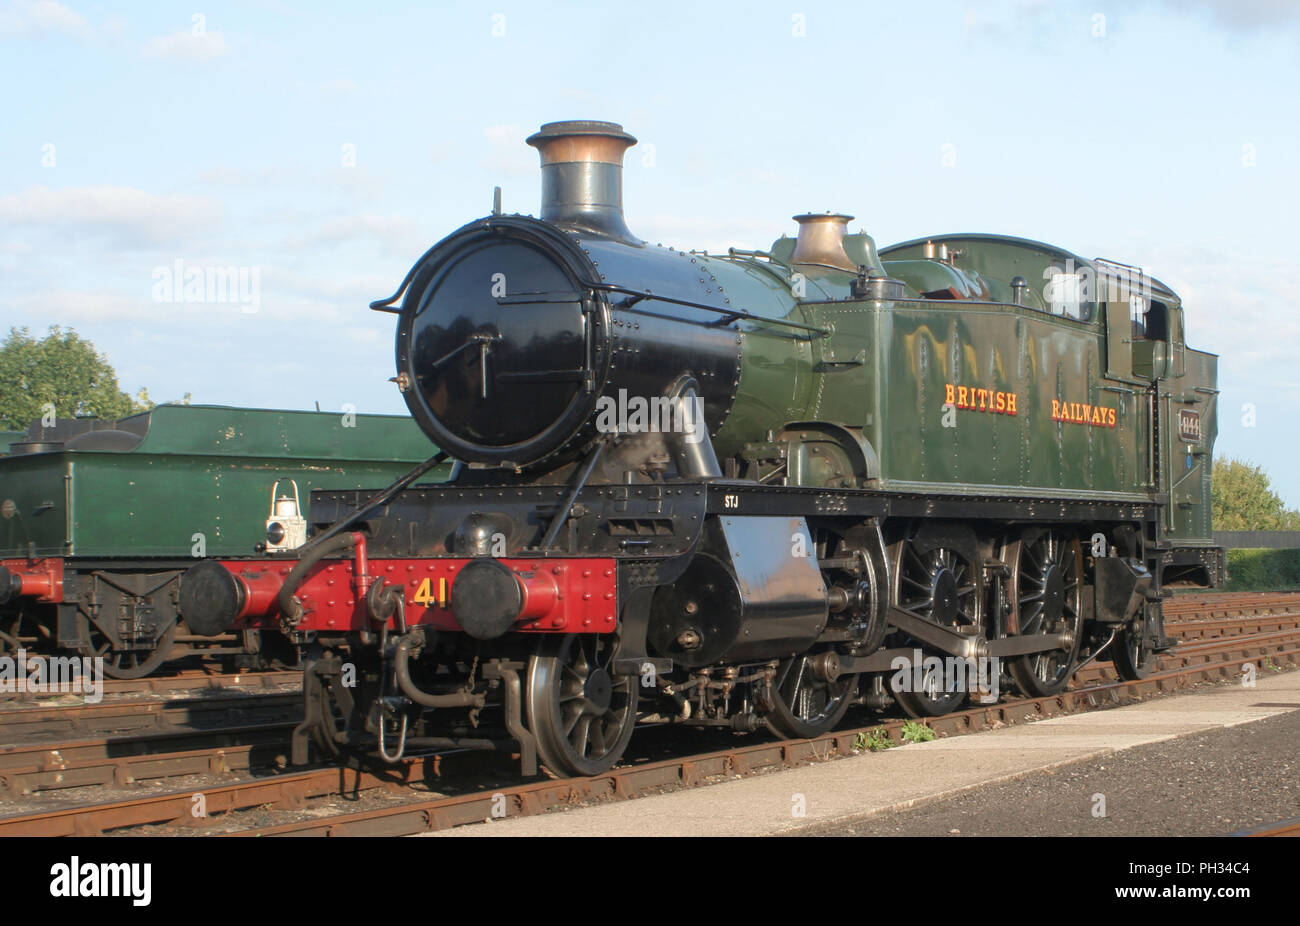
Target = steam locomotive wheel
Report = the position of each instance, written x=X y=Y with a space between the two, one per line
x=1133 y=660
x=804 y=705
x=1047 y=586
x=939 y=585
x=124 y=663
x=581 y=713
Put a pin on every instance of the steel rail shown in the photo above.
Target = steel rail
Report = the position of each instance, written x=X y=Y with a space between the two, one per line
x=193 y=682
x=1198 y=662
x=636 y=780
x=177 y=807
x=27 y=770
x=1229 y=604
x=147 y=715
x=1229 y=627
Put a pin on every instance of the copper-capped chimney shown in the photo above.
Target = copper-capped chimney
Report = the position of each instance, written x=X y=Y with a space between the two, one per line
x=821 y=241
x=582 y=176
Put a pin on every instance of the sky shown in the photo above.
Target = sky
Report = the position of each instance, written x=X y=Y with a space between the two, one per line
x=318 y=149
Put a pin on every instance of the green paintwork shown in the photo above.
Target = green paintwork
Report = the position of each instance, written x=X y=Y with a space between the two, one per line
x=883 y=369
x=198 y=470
x=1189 y=464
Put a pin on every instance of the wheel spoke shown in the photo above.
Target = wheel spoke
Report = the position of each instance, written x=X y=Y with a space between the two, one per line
x=578 y=731
x=1049 y=591
x=952 y=598
x=583 y=734
x=798 y=678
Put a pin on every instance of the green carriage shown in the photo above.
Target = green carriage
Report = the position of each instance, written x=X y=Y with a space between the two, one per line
x=98 y=519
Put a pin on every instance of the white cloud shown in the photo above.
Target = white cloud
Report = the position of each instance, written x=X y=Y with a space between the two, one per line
x=280 y=305
x=394 y=232
x=301 y=182
x=75 y=307
x=40 y=17
x=131 y=217
x=1034 y=20
x=186 y=46
x=1243 y=15
x=711 y=233
x=346 y=289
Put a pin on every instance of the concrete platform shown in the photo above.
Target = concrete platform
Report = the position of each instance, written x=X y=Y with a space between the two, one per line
x=859 y=787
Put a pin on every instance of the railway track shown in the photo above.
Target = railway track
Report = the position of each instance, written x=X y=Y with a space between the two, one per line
x=189 y=682
x=222 y=752
x=1243 y=645
x=1189 y=630
x=104 y=762
x=638 y=780
x=1273 y=640
x=177 y=807
x=144 y=716
x=1208 y=606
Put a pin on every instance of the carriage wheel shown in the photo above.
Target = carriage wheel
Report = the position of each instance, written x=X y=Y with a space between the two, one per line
x=124 y=663
x=1047 y=588
x=940 y=585
x=581 y=713
x=10 y=633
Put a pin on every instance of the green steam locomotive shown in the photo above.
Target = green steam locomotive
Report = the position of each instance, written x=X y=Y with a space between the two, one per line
x=743 y=489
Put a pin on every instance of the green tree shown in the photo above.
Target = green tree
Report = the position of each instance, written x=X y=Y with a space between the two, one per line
x=1244 y=499
x=61 y=369
x=142 y=402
